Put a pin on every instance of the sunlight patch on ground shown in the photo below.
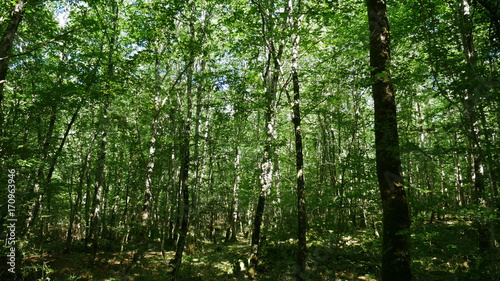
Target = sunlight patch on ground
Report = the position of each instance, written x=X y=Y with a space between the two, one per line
x=348 y=240
x=366 y=278
x=225 y=266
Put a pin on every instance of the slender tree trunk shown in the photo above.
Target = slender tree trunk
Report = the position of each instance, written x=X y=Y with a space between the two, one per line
x=45 y=180
x=233 y=216
x=143 y=234
x=184 y=174
x=98 y=185
x=197 y=159
x=471 y=100
x=60 y=148
x=266 y=178
x=100 y=179
x=471 y=117
x=144 y=228
x=396 y=221
x=185 y=158
x=299 y=156
x=78 y=202
x=271 y=75
x=38 y=188
x=299 y=161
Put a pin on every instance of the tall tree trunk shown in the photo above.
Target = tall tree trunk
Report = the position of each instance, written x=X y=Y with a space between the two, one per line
x=55 y=158
x=197 y=159
x=98 y=185
x=299 y=162
x=78 y=202
x=471 y=99
x=299 y=156
x=6 y=49
x=59 y=150
x=39 y=186
x=266 y=178
x=100 y=179
x=271 y=75
x=143 y=232
x=233 y=214
x=396 y=220
x=142 y=236
x=185 y=158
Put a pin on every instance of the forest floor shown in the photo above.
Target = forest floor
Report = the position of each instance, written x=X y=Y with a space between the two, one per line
x=441 y=251
x=217 y=262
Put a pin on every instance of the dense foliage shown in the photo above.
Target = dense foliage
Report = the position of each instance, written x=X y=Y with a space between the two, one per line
x=119 y=116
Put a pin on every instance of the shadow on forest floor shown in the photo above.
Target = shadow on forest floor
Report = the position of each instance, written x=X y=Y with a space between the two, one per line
x=221 y=262
x=441 y=251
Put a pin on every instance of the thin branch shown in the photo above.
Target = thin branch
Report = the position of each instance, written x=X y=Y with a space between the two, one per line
x=42 y=44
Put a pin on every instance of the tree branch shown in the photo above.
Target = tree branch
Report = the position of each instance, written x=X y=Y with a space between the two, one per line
x=42 y=44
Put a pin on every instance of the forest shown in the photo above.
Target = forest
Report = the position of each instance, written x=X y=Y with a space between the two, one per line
x=250 y=140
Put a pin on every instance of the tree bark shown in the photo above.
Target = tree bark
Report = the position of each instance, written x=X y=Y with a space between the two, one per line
x=471 y=100
x=100 y=178
x=6 y=45
x=98 y=185
x=143 y=232
x=266 y=178
x=233 y=216
x=299 y=162
x=85 y=159
x=396 y=221
x=299 y=156
x=185 y=158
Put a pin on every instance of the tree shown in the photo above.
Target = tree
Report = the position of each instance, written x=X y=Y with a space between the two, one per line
x=493 y=9
x=294 y=21
x=270 y=77
x=184 y=204
x=396 y=220
x=170 y=126
x=7 y=42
